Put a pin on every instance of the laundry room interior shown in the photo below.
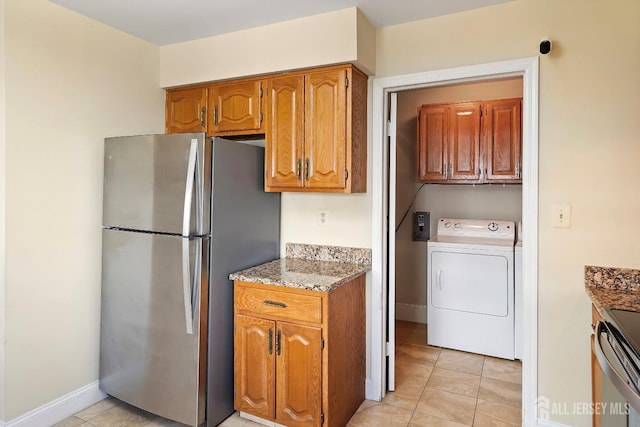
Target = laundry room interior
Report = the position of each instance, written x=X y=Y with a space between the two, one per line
x=487 y=201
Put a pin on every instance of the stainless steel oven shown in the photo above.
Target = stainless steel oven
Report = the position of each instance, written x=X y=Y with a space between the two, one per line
x=616 y=348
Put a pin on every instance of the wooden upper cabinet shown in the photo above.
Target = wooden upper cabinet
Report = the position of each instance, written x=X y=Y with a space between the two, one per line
x=186 y=110
x=471 y=142
x=284 y=136
x=432 y=143
x=236 y=108
x=316 y=132
x=503 y=145
x=325 y=129
x=314 y=124
x=464 y=141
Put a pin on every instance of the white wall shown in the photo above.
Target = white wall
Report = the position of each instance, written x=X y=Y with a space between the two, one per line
x=589 y=150
x=453 y=201
x=323 y=39
x=2 y=211
x=70 y=82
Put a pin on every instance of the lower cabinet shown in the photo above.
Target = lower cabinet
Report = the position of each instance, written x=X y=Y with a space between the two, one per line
x=596 y=372
x=299 y=355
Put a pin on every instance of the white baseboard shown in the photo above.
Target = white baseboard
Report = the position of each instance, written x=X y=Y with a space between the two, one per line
x=411 y=312
x=60 y=408
x=370 y=392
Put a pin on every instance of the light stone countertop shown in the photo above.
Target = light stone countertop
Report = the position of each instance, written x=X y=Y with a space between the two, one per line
x=310 y=267
x=613 y=287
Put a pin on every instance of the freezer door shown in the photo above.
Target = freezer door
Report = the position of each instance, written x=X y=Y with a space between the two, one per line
x=158 y=183
x=148 y=357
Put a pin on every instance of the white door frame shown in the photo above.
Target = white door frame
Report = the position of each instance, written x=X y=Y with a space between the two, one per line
x=528 y=69
x=390 y=313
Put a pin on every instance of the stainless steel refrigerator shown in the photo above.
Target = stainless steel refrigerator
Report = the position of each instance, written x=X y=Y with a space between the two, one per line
x=180 y=213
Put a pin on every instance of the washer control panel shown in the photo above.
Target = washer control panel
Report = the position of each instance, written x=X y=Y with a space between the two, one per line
x=476 y=228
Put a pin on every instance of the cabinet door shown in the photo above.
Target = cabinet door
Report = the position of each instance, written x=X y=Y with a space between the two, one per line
x=432 y=143
x=464 y=142
x=596 y=372
x=503 y=141
x=284 y=132
x=185 y=110
x=299 y=375
x=325 y=129
x=254 y=366
x=236 y=108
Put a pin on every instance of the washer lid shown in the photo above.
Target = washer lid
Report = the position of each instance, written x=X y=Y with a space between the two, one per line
x=477 y=229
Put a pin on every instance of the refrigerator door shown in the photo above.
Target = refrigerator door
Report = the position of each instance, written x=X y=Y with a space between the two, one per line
x=148 y=358
x=158 y=183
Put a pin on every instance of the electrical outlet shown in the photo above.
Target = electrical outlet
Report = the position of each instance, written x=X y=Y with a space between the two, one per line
x=323 y=217
x=561 y=216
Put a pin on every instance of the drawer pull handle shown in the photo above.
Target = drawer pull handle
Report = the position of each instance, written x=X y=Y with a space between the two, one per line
x=275 y=304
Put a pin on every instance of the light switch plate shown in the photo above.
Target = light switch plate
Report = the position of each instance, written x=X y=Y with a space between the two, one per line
x=561 y=216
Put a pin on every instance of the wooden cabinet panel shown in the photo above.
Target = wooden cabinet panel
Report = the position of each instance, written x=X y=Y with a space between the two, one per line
x=316 y=132
x=432 y=143
x=185 y=110
x=314 y=124
x=284 y=133
x=298 y=375
x=471 y=142
x=236 y=107
x=279 y=305
x=596 y=372
x=325 y=129
x=464 y=141
x=254 y=366
x=318 y=363
x=502 y=131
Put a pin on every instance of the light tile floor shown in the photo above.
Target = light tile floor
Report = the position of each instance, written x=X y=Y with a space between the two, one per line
x=434 y=388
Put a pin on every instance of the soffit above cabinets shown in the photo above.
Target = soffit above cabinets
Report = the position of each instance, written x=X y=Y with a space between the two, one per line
x=164 y=22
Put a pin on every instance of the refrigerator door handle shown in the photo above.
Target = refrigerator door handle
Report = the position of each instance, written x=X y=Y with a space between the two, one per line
x=191 y=293
x=198 y=177
x=188 y=191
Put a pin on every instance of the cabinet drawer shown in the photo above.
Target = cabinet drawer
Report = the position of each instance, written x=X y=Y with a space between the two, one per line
x=278 y=303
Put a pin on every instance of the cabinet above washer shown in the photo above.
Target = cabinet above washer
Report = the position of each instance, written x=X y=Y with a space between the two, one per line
x=470 y=143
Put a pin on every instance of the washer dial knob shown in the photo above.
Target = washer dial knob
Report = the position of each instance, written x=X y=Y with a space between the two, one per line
x=492 y=226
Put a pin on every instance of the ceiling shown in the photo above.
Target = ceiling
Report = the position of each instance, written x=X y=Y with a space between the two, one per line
x=163 y=22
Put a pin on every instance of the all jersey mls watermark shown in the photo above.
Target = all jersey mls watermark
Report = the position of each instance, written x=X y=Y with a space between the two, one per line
x=546 y=408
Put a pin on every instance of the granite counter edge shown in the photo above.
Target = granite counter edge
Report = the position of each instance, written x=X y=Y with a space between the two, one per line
x=610 y=287
x=297 y=285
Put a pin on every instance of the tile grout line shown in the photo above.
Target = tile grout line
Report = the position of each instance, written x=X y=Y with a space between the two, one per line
x=475 y=410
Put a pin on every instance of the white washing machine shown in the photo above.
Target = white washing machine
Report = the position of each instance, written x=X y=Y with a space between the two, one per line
x=470 y=286
x=519 y=305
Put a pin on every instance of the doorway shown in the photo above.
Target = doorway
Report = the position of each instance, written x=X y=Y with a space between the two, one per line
x=382 y=289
